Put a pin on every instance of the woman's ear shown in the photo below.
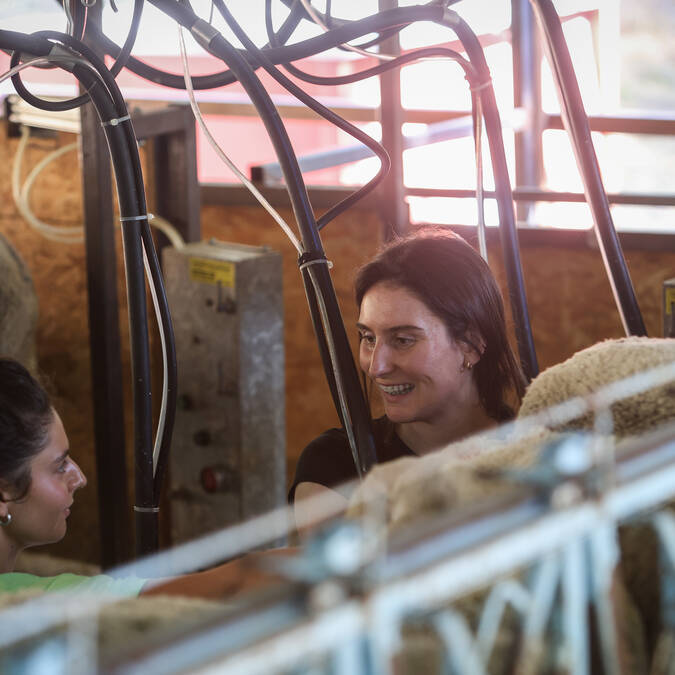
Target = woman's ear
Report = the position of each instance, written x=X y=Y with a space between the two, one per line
x=4 y=499
x=473 y=347
x=5 y=496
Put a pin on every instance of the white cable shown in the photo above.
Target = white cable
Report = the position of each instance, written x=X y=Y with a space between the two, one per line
x=480 y=199
x=75 y=232
x=339 y=385
x=202 y=125
x=159 y=433
x=169 y=231
x=22 y=66
x=66 y=235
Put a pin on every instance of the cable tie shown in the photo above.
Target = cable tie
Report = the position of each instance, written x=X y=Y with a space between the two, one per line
x=115 y=121
x=146 y=509
x=484 y=85
x=302 y=264
x=147 y=216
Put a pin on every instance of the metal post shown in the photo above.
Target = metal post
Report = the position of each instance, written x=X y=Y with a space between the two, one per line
x=104 y=337
x=174 y=168
x=393 y=207
x=527 y=95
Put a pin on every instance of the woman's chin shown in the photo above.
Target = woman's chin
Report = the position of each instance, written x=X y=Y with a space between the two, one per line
x=398 y=415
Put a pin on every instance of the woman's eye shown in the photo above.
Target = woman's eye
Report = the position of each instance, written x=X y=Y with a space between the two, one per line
x=367 y=339
x=403 y=341
x=62 y=467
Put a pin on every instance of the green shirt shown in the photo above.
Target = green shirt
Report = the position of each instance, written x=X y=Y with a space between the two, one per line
x=101 y=583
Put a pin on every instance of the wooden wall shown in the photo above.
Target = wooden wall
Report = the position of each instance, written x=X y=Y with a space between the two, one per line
x=570 y=305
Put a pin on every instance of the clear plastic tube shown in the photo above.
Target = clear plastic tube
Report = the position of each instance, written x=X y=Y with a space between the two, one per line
x=232 y=166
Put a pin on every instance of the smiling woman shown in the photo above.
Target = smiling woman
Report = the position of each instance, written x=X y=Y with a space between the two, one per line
x=433 y=344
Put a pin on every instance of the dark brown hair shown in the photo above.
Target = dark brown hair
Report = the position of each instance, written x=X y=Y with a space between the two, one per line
x=25 y=418
x=456 y=284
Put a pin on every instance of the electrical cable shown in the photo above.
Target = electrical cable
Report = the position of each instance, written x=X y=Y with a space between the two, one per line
x=322 y=110
x=223 y=156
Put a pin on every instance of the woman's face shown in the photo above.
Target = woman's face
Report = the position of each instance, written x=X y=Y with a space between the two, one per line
x=405 y=349
x=40 y=517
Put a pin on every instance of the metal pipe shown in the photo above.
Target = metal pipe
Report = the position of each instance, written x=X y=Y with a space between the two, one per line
x=576 y=123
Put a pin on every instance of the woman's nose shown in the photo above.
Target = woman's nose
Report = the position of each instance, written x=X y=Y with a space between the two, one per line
x=380 y=361
x=77 y=478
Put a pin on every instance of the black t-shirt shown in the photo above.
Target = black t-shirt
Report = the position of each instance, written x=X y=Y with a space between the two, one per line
x=327 y=460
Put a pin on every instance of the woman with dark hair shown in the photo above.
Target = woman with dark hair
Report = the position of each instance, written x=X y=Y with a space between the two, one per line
x=433 y=343
x=38 y=481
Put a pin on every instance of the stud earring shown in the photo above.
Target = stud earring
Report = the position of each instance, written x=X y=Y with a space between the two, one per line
x=466 y=365
x=5 y=520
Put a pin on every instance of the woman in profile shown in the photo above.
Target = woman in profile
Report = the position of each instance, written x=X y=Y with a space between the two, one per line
x=38 y=483
x=433 y=344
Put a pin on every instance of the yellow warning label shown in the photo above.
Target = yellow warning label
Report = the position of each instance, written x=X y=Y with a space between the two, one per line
x=214 y=272
x=670 y=300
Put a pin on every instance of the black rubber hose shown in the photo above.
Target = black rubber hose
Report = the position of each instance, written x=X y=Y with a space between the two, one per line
x=121 y=140
x=13 y=41
x=345 y=33
x=72 y=103
x=507 y=222
x=398 y=62
x=265 y=107
x=56 y=106
x=319 y=108
x=176 y=81
x=355 y=402
x=330 y=22
x=154 y=267
x=125 y=53
x=129 y=195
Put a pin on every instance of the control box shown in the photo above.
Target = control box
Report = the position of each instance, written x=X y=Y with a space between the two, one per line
x=228 y=455
x=669 y=308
